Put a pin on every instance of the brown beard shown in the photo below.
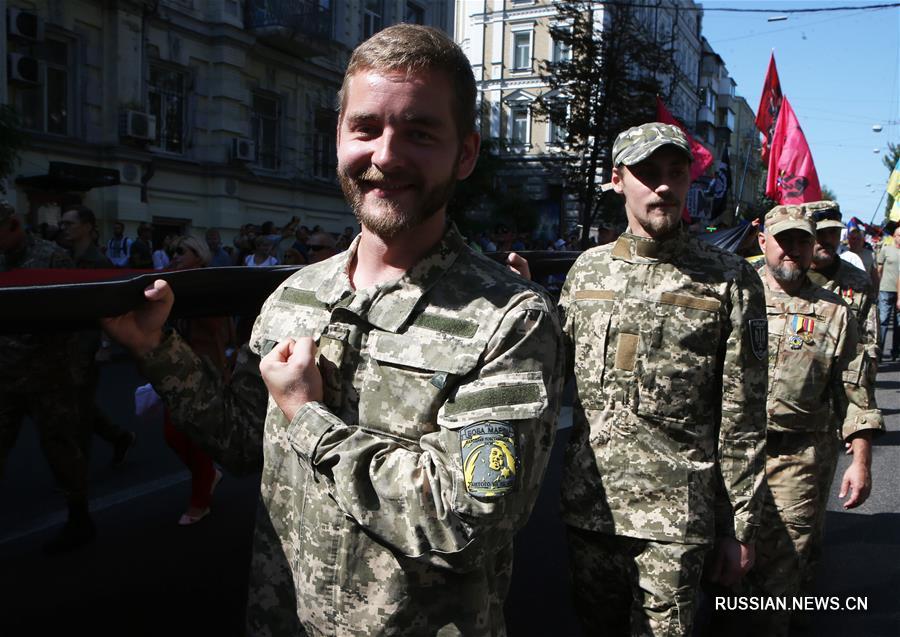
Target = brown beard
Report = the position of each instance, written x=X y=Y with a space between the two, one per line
x=388 y=220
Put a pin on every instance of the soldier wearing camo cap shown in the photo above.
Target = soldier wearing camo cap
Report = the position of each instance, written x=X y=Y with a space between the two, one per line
x=818 y=394
x=667 y=336
x=412 y=384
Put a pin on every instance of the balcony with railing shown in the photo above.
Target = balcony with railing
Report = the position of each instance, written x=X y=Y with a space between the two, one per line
x=301 y=27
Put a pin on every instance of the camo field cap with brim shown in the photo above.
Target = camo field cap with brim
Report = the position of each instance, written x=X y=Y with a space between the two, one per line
x=826 y=214
x=789 y=217
x=639 y=142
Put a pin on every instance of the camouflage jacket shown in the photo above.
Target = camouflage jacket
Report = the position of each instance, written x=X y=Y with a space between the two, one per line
x=668 y=342
x=856 y=289
x=390 y=507
x=33 y=362
x=816 y=375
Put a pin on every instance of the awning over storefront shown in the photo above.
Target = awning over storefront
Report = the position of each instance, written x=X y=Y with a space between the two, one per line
x=65 y=177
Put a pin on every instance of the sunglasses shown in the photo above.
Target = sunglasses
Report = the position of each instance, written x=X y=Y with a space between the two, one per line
x=180 y=251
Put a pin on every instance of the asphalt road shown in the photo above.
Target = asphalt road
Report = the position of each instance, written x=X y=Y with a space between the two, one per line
x=145 y=575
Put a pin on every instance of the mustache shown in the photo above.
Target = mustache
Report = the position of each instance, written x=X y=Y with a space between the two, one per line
x=374 y=175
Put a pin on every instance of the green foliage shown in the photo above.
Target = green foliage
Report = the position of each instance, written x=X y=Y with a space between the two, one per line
x=828 y=193
x=610 y=83
x=11 y=141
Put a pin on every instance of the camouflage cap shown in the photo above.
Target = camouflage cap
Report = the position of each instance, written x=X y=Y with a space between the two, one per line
x=639 y=142
x=826 y=214
x=789 y=217
x=6 y=210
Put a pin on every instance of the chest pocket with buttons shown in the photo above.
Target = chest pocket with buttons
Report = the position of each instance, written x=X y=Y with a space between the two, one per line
x=799 y=378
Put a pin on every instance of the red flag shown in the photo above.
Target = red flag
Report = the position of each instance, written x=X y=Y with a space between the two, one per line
x=702 y=157
x=792 y=175
x=769 y=106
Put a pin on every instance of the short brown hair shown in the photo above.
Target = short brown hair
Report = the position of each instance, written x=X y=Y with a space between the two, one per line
x=413 y=48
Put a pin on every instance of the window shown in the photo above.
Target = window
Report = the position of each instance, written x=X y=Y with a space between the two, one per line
x=519 y=125
x=166 y=99
x=44 y=105
x=557 y=134
x=562 y=52
x=324 y=143
x=522 y=50
x=415 y=14
x=373 y=17
x=265 y=120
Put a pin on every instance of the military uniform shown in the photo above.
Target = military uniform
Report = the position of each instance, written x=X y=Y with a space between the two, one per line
x=818 y=395
x=390 y=507
x=83 y=347
x=668 y=343
x=35 y=380
x=815 y=390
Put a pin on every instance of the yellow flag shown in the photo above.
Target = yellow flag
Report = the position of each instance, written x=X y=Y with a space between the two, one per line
x=893 y=187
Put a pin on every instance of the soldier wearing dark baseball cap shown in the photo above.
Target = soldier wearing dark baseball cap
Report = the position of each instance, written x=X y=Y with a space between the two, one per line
x=826 y=214
x=639 y=142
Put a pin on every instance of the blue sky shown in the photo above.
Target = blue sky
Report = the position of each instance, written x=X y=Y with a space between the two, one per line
x=841 y=73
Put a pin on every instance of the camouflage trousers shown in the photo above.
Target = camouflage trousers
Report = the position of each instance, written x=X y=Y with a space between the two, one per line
x=628 y=586
x=800 y=468
x=56 y=417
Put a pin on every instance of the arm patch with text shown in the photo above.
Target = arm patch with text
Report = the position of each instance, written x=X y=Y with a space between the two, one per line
x=489 y=459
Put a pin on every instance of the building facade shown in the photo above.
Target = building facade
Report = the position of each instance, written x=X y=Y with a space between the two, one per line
x=186 y=114
x=746 y=164
x=507 y=42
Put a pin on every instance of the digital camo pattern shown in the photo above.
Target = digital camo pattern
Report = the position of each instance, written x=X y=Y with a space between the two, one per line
x=366 y=525
x=639 y=142
x=670 y=395
x=816 y=367
x=627 y=586
x=35 y=381
x=34 y=362
x=856 y=289
x=800 y=468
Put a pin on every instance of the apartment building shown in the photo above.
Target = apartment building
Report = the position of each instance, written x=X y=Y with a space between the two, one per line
x=506 y=42
x=186 y=114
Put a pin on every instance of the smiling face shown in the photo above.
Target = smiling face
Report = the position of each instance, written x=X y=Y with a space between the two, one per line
x=655 y=190
x=399 y=151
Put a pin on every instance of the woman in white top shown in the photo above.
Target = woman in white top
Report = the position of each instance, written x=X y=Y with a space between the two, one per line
x=262 y=255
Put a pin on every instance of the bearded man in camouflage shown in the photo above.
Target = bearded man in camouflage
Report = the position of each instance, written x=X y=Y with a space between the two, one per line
x=668 y=340
x=818 y=395
x=412 y=384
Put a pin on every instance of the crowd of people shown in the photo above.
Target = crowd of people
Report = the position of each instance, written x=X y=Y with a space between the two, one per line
x=400 y=398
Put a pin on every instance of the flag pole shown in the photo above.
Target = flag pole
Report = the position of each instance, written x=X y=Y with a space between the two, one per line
x=744 y=173
x=877 y=207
